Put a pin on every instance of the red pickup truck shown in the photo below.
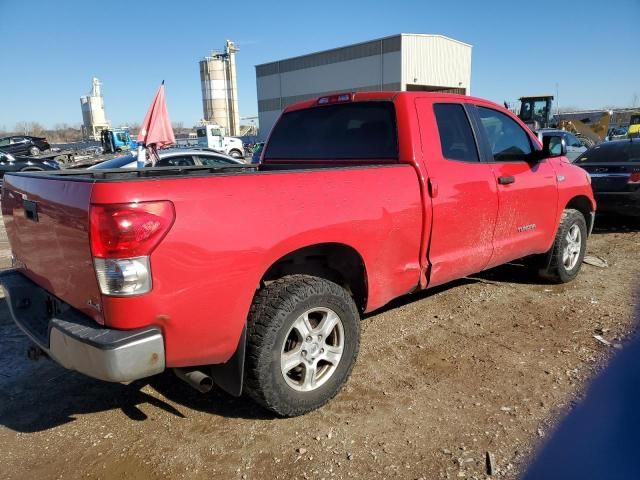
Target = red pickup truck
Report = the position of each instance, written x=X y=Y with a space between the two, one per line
x=255 y=278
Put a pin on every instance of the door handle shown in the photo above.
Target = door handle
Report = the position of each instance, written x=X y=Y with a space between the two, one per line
x=506 y=180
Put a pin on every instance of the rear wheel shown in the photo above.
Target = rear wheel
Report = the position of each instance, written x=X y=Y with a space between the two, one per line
x=303 y=340
x=564 y=260
x=34 y=150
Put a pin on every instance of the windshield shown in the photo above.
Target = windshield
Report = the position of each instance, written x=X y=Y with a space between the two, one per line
x=201 y=132
x=616 y=151
x=116 y=162
x=635 y=120
x=347 y=131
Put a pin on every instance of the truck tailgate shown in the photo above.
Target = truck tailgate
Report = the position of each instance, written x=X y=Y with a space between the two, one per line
x=47 y=223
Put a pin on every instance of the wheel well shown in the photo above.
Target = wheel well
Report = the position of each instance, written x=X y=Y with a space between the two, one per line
x=583 y=205
x=336 y=262
x=31 y=169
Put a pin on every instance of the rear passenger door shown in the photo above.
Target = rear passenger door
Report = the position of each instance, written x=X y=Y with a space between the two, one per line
x=527 y=189
x=463 y=192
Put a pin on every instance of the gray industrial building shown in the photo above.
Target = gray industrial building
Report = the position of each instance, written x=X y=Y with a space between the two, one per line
x=405 y=62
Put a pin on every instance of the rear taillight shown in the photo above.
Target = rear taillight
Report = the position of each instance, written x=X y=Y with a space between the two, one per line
x=634 y=178
x=122 y=238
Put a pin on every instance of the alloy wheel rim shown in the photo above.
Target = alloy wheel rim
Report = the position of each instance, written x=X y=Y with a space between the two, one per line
x=573 y=246
x=312 y=349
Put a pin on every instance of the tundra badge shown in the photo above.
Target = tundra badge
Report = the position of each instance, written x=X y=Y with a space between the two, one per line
x=526 y=228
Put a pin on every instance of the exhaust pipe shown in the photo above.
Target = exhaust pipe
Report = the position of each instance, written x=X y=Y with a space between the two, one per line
x=196 y=378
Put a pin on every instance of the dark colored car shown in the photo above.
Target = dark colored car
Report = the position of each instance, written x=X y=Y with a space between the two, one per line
x=614 y=168
x=10 y=163
x=24 y=145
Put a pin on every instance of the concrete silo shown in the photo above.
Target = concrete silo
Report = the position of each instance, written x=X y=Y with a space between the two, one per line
x=220 y=89
x=94 y=119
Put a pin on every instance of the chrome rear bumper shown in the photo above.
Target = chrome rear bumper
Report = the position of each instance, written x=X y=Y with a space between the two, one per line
x=75 y=341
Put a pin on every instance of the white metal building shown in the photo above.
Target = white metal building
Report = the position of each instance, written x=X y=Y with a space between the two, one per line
x=407 y=61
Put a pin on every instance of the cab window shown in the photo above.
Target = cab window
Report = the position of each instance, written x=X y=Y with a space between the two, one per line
x=178 y=161
x=572 y=141
x=508 y=141
x=456 y=137
x=213 y=161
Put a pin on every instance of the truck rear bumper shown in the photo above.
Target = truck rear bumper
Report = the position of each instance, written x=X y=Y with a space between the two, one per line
x=75 y=341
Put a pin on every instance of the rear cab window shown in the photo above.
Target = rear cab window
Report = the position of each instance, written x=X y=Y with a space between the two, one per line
x=456 y=137
x=338 y=132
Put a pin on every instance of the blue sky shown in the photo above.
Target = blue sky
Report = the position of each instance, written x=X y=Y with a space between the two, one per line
x=52 y=49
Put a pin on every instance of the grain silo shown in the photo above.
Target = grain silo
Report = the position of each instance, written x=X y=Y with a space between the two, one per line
x=220 y=90
x=94 y=118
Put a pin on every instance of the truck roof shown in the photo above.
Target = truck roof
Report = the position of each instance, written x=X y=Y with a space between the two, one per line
x=390 y=96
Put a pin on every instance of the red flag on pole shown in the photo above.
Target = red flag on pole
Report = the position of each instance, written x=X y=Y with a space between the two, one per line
x=156 y=131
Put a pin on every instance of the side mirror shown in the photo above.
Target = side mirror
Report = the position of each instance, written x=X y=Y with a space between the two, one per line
x=554 y=146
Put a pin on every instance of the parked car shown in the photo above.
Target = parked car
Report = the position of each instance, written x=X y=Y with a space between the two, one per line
x=614 y=168
x=617 y=133
x=575 y=147
x=17 y=163
x=174 y=157
x=255 y=279
x=24 y=145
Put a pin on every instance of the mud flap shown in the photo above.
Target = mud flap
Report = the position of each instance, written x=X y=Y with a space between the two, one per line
x=228 y=376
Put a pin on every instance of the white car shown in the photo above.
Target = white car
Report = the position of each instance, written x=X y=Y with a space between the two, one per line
x=174 y=157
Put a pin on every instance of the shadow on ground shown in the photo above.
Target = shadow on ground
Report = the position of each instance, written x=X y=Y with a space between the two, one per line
x=39 y=395
x=36 y=396
x=615 y=223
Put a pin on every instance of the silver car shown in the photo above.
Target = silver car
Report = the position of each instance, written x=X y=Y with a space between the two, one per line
x=174 y=157
x=575 y=148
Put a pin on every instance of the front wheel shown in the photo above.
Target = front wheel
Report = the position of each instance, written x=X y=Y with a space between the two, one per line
x=564 y=260
x=34 y=150
x=236 y=154
x=303 y=340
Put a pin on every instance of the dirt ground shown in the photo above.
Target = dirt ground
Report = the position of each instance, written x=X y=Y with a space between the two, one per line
x=486 y=364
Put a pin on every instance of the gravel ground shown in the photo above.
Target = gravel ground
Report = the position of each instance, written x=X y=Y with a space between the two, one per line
x=485 y=364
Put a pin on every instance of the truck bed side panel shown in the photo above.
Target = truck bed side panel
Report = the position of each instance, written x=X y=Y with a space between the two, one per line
x=230 y=229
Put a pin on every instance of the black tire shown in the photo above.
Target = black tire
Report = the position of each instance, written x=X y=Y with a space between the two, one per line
x=34 y=150
x=555 y=269
x=236 y=154
x=274 y=311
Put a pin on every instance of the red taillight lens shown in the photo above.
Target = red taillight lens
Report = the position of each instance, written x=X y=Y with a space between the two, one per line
x=634 y=178
x=339 y=98
x=126 y=230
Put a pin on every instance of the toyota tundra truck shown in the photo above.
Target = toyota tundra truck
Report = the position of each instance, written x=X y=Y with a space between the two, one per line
x=254 y=279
